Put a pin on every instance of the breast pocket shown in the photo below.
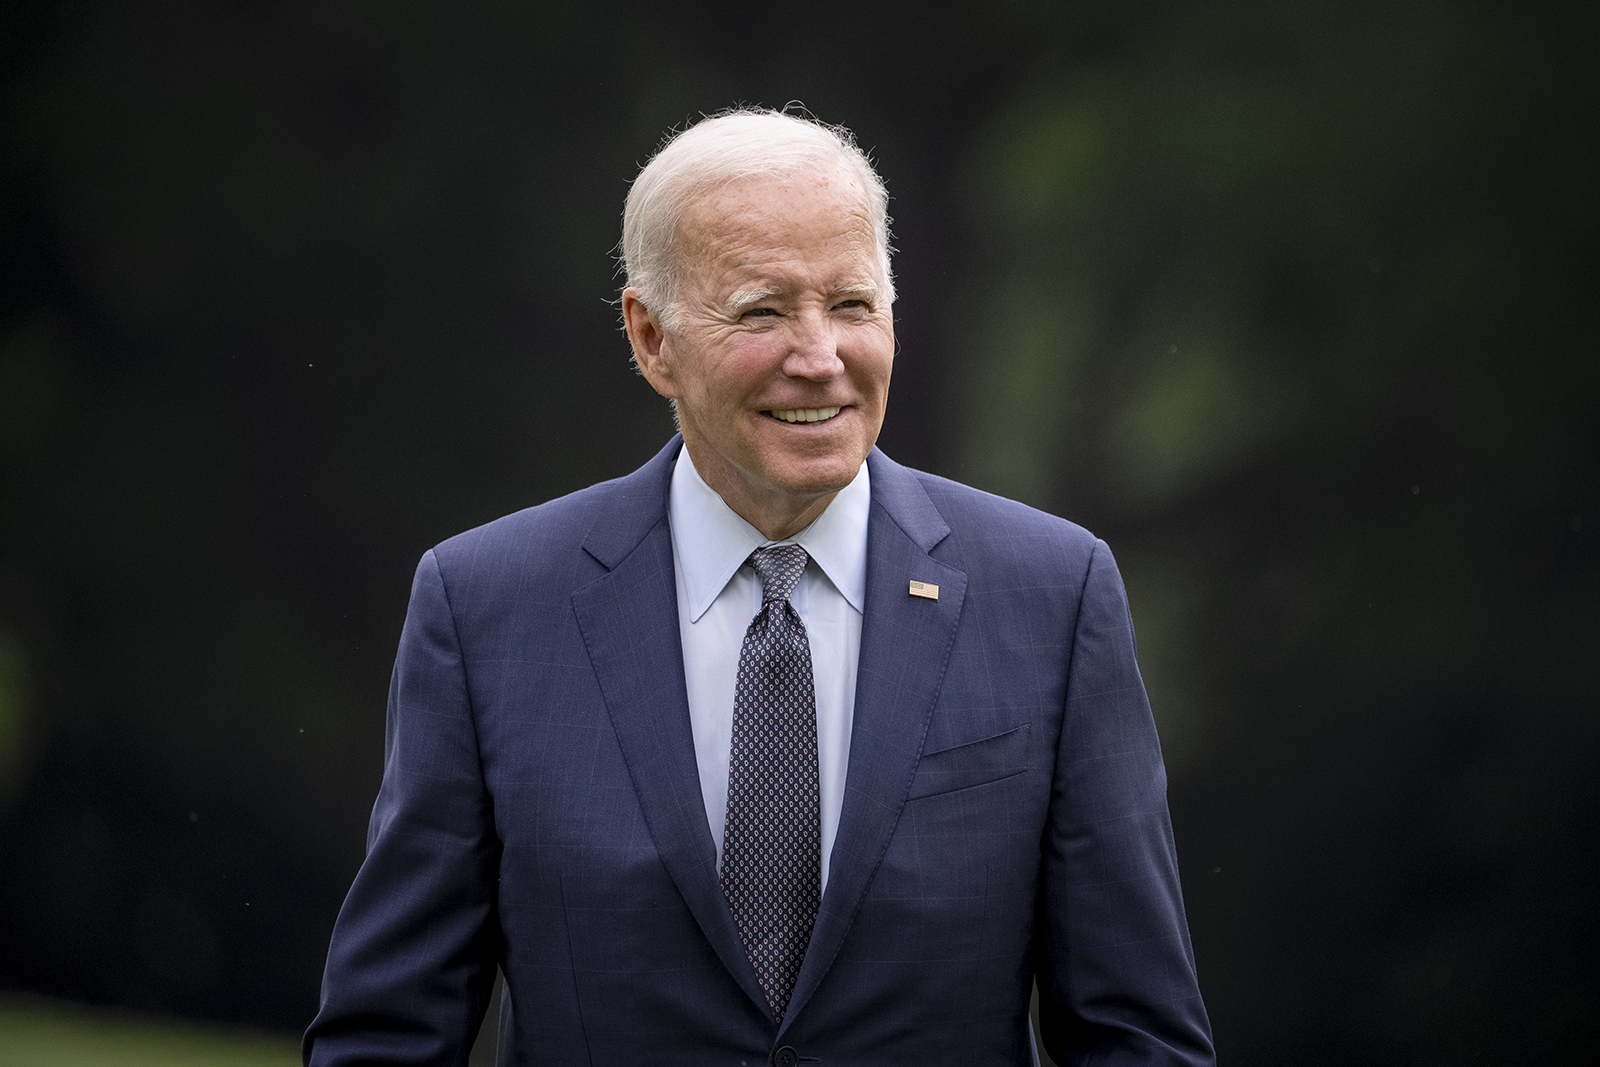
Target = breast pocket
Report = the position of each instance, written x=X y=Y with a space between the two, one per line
x=975 y=763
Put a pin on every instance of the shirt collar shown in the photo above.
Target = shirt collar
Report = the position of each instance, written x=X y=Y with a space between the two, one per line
x=712 y=541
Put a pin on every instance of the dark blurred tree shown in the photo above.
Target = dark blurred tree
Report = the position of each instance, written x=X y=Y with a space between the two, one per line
x=1296 y=305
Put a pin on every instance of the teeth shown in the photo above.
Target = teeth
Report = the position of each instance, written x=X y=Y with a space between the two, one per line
x=804 y=414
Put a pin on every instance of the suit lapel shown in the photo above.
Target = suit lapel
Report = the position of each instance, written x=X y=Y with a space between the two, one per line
x=629 y=622
x=905 y=646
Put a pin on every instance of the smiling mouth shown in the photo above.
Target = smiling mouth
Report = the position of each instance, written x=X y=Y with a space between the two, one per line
x=803 y=414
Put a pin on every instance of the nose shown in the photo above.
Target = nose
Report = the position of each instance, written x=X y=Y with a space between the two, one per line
x=813 y=350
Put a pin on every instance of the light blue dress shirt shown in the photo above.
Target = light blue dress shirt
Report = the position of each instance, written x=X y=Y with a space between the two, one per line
x=718 y=595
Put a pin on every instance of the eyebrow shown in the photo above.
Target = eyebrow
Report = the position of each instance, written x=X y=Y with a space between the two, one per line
x=744 y=299
x=852 y=292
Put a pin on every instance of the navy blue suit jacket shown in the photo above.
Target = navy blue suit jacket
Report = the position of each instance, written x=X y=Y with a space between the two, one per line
x=1004 y=814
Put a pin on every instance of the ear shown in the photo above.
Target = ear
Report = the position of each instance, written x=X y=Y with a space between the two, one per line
x=648 y=339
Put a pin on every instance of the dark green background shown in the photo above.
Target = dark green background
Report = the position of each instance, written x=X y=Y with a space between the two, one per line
x=1294 y=303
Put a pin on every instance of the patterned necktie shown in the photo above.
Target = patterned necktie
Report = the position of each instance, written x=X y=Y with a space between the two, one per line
x=772 y=843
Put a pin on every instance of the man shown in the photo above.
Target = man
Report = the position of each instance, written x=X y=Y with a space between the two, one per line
x=774 y=750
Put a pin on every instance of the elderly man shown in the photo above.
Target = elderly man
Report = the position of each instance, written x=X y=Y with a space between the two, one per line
x=774 y=750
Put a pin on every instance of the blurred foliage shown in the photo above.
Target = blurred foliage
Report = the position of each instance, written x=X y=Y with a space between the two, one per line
x=35 y=1032
x=1292 y=303
x=14 y=719
x=1295 y=305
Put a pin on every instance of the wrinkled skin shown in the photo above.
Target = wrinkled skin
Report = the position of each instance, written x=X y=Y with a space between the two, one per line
x=782 y=309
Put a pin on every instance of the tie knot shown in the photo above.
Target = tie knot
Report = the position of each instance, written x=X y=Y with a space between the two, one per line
x=779 y=569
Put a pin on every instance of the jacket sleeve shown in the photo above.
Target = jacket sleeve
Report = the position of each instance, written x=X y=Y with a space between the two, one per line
x=1116 y=973
x=412 y=960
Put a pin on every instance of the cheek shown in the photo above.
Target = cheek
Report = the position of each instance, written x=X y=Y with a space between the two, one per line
x=746 y=366
x=719 y=396
x=871 y=371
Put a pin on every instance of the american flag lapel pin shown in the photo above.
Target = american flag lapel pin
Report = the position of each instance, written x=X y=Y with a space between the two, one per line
x=925 y=589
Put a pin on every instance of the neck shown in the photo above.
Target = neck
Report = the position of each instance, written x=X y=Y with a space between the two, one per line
x=775 y=525
x=776 y=515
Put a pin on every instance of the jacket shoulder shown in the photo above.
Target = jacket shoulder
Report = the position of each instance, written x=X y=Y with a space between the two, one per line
x=615 y=515
x=563 y=518
x=987 y=525
x=545 y=546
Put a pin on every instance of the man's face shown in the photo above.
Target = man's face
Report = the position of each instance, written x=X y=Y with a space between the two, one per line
x=779 y=360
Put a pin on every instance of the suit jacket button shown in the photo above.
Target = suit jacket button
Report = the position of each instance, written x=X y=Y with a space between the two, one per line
x=785 y=1057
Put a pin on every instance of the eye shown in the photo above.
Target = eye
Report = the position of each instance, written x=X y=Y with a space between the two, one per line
x=759 y=312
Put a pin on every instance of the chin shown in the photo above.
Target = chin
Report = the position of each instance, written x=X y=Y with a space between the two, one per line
x=817 y=477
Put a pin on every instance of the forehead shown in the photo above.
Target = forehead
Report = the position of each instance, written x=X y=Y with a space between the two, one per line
x=814 y=219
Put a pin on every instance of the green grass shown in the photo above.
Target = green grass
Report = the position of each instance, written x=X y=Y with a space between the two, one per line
x=35 y=1032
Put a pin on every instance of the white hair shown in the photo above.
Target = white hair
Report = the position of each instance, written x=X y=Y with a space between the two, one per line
x=725 y=147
